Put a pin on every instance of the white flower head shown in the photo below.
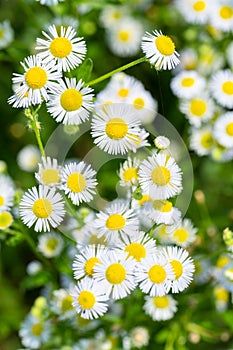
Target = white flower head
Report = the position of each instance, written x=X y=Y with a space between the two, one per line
x=6 y=34
x=160 y=308
x=221 y=87
x=49 y=173
x=162 y=142
x=28 y=158
x=162 y=212
x=197 y=110
x=34 y=332
x=187 y=84
x=223 y=130
x=202 y=140
x=221 y=15
x=50 y=244
x=194 y=11
x=183 y=233
x=129 y=172
x=61 y=304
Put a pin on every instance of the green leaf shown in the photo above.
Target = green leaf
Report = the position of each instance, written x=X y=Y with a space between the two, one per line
x=35 y=281
x=84 y=71
x=15 y=240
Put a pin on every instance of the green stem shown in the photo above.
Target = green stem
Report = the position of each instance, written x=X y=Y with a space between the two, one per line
x=34 y=124
x=120 y=69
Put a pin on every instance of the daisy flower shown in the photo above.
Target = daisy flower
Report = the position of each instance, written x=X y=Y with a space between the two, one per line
x=67 y=49
x=71 y=102
x=42 y=207
x=162 y=212
x=6 y=220
x=111 y=15
x=187 y=84
x=154 y=274
x=160 y=176
x=160 y=50
x=221 y=15
x=28 y=158
x=124 y=37
x=182 y=265
x=129 y=172
x=89 y=300
x=221 y=87
x=202 y=140
x=115 y=130
x=84 y=262
x=115 y=274
x=139 y=337
x=160 y=308
x=38 y=77
x=162 y=142
x=6 y=195
x=161 y=232
x=222 y=297
x=61 y=304
x=183 y=233
x=144 y=105
x=198 y=109
x=50 y=244
x=7 y=34
x=194 y=11
x=34 y=332
x=79 y=182
x=117 y=220
x=49 y=172
x=223 y=129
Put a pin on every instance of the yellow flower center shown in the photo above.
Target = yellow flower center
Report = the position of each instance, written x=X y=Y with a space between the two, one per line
x=138 y=103
x=115 y=273
x=198 y=107
x=199 y=6
x=161 y=302
x=221 y=294
x=222 y=261
x=165 y=45
x=162 y=205
x=145 y=198
x=115 y=222
x=86 y=299
x=181 y=235
x=76 y=182
x=123 y=35
x=226 y=12
x=161 y=176
x=66 y=304
x=5 y=220
x=60 y=47
x=207 y=140
x=157 y=274
x=130 y=174
x=116 y=128
x=229 y=129
x=37 y=329
x=52 y=244
x=89 y=266
x=36 y=77
x=177 y=268
x=227 y=87
x=50 y=176
x=187 y=82
x=123 y=92
x=136 y=250
x=42 y=208
x=71 y=100
x=94 y=239
x=2 y=200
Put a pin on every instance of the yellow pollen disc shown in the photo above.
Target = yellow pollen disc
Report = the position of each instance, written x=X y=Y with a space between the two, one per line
x=165 y=45
x=162 y=205
x=50 y=176
x=115 y=273
x=221 y=294
x=116 y=128
x=136 y=250
x=116 y=15
x=52 y=244
x=130 y=174
x=226 y=12
x=198 y=107
x=138 y=103
x=161 y=176
x=222 y=261
x=123 y=35
x=76 y=182
x=145 y=198
x=123 y=92
x=86 y=299
x=163 y=231
x=71 y=100
x=177 y=268
x=199 y=6
x=161 y=302
x=181 y=235
x=66 y=304
x=2 y=200
x=227 y=87
x=207 y=140
x=37 y=329
x=5 y=220
x=115 y=222
x=157 y=274
x=187 y=82
x=42 y=208
x=36 y=77
x=229 y=129
x=60 y=47
x=89 y=266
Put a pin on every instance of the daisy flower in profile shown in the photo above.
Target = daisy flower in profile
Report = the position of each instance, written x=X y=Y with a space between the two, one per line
x=183 y=233
x=124 y=37
x=79 y=182
x=89 y=300
x=202 y=140
x=221 y=15
x=86 y=260
x=154 y=274
x=198 y=109
x=61 y=304
x=160 y=308
x=221 y=87
x=28 y=158
x=182 y=265
x=65 y=48
x=34 y=332
x=71 y=102
x=161 y=233
x=7 y=34
x=117 y=220
x=160 y=50
x=115 y=130
x=162 y=142
x=115 y=274
x=187 y=84
x=38 y=77
x=160 y=176
x=194 y=11
x=50 y=244
x=129 y=172
x=42 y=207
x=6 y=220
x=223 y=129
x=49 y=172
x=162 y=212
